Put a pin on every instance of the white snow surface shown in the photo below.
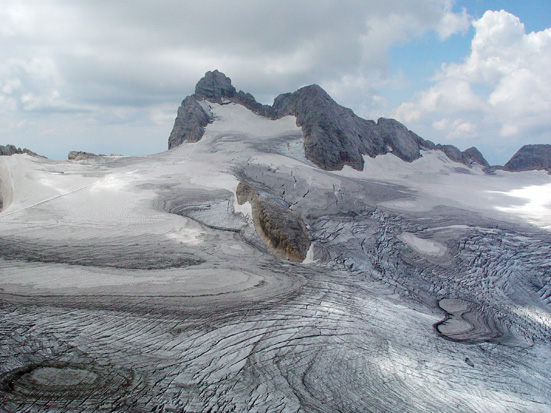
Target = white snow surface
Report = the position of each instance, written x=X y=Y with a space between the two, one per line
x=423 y=246
x=148 y=264
x=513 y=196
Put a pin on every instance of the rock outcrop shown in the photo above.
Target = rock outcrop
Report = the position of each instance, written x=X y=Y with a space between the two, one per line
x=333 y=135
x=475 y=156
x=215 y=86
x=190 y=123
x=81 y=156
x=192 y=118
x=282 y=231
x=530 y=158
x=8 y=150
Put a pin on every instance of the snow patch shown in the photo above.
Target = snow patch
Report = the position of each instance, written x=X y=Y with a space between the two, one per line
x=309 y=255
x=536 y=204
x=189 y=235
x=246 y=209
x=423 y=246
x=434 y=180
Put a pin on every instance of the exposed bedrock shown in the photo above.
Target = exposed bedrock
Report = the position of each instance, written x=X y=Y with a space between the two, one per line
x=530 y=158
x=190 y=123
x=475 y=156
x=192 y=119
x=333 y=135
x=282 y=230
x=81 y=156
x=215 y=86
x=8 y=150
x=468 y=157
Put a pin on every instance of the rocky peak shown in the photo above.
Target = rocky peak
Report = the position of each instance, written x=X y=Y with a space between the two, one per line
x=215 y=86
x=476 y=156
x=334 y=136
x=9 y=150
x=530 y=158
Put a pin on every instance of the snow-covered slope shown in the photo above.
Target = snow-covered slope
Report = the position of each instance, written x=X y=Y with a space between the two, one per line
x=135 y=284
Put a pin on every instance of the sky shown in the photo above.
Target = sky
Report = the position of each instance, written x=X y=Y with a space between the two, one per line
x=108 y=76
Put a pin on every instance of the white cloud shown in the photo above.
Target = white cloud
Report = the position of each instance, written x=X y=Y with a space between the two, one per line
x=96 y=57
x=502 y=89
x=453 y=23
x=456 y=128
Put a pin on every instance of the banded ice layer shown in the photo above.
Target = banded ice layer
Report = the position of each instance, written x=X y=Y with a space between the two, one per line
x=135 y=284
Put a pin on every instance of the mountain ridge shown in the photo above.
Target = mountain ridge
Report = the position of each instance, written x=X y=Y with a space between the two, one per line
x=334 y=136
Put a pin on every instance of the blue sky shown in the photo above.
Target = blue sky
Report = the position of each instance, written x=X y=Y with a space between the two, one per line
x=535 y=14
x=107 y=77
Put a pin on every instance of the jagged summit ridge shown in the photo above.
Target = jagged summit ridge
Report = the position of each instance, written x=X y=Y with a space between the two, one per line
x=334 y=136
x=215 y=86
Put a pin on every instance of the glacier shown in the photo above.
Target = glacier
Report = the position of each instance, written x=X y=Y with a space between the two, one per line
x=140 y=284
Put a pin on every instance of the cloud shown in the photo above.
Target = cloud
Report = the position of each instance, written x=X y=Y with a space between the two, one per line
x=452 y=23
x=96 y=57
x=502 y=90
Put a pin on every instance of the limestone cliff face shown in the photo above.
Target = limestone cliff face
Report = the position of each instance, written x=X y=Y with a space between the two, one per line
x=192 y=118
x=333 y=135
x=282 y=231
x=530 y=158
x=190 y=123
x=215 y=86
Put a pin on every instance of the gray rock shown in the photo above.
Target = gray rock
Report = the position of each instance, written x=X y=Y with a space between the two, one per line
x=530 y=158
x=190 y=123
x=81 y=156
x=425 y=144
x=475 y=156
x=248 y=100
x=404 y=143
x=333 y=135
x=215 y=86
x=283 y=231
x=453 y=153
x=192 y=119
x=468 y=157
x=8 y=150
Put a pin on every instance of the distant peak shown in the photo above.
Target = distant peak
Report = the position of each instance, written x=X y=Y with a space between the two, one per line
x=530 y=158
x=214 y=86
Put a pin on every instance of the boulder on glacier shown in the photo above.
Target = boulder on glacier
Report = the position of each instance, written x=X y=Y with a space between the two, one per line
x=282 y=231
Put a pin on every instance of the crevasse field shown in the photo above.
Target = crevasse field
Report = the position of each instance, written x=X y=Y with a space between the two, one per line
x=139 y=283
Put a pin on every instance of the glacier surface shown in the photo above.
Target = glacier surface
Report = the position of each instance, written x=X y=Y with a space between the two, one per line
x=139 y=284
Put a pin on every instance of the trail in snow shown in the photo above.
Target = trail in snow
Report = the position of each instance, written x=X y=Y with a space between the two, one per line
x=46 y=200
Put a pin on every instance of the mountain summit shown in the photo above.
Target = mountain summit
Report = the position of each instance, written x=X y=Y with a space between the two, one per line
x=334 y=136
